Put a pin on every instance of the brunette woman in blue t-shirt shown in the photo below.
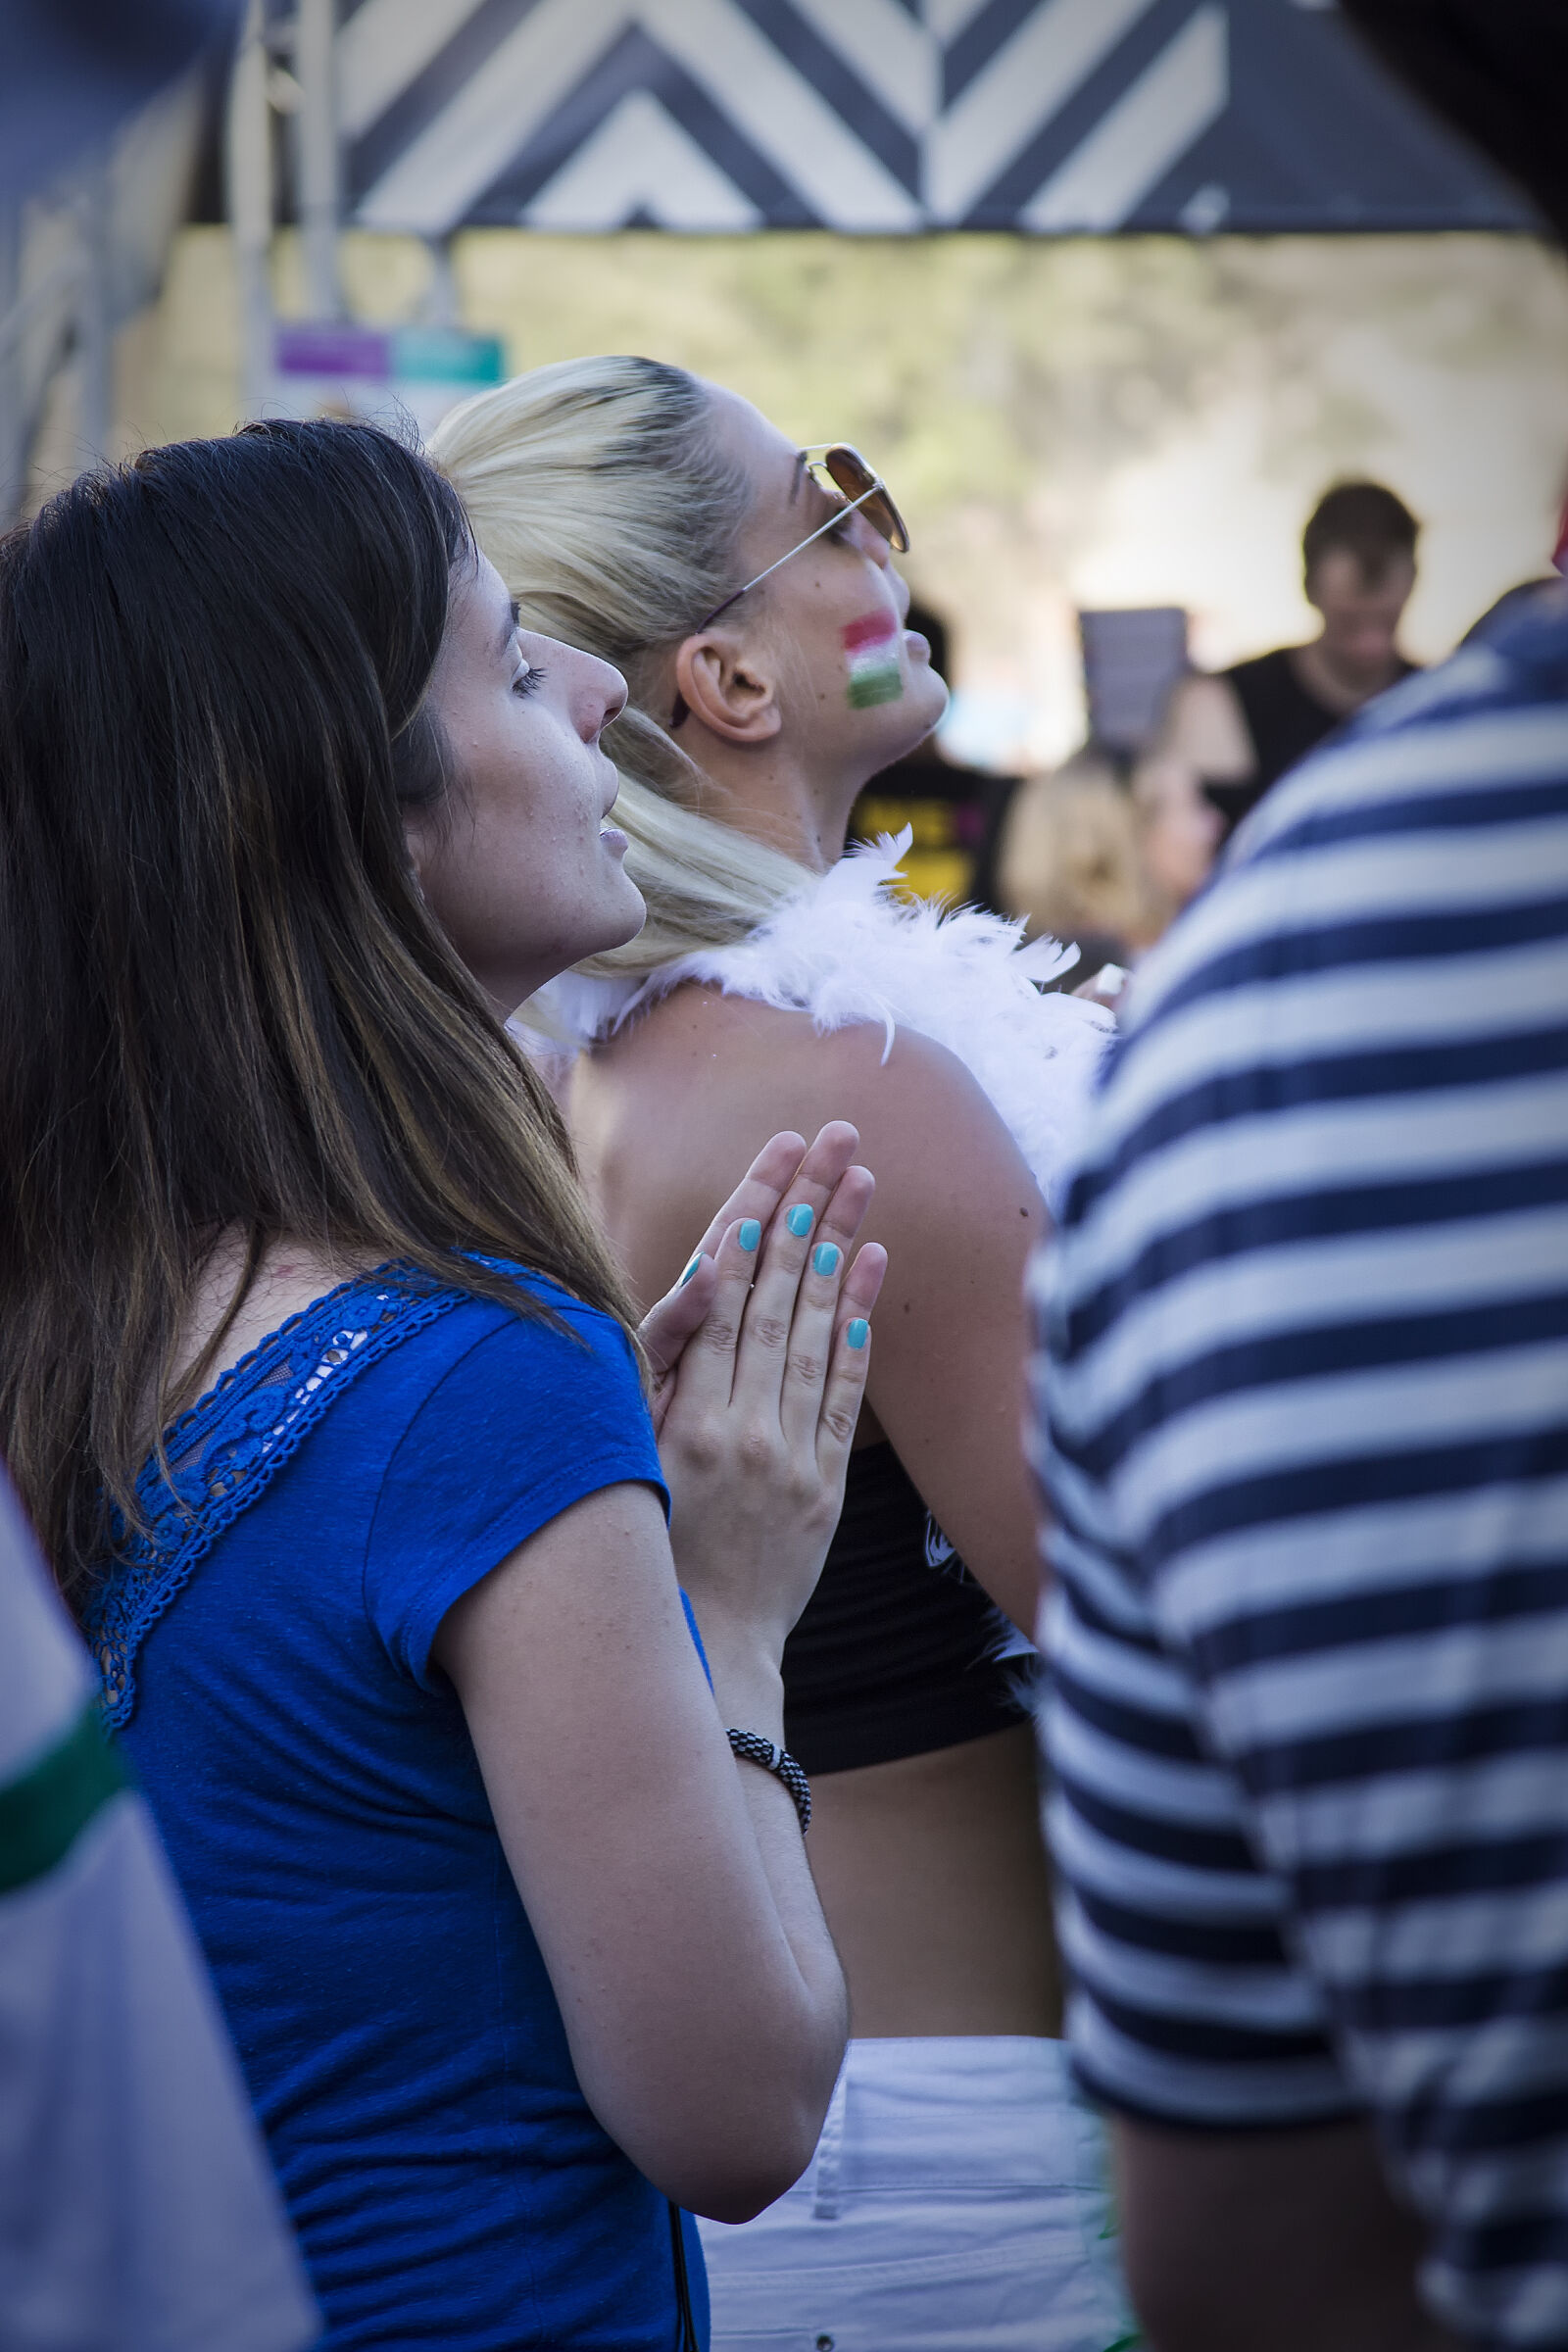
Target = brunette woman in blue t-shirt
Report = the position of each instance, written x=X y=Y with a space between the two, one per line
x=520 y=1953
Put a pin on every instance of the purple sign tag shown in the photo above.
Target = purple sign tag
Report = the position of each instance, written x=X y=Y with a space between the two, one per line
x=330 y=350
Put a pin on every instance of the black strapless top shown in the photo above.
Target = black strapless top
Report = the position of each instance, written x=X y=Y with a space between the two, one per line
x=896 y=1652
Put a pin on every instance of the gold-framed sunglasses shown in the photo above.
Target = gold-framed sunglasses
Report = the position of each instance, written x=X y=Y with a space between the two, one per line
x=862 y=492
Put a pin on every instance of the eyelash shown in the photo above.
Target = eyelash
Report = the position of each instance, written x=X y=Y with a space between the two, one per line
x=526 y=680
x=840 y=533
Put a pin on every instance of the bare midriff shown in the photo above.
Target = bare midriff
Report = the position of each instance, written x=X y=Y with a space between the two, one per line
x=934 y=1883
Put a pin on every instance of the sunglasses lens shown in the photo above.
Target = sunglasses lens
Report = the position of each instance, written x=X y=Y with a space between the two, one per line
x=854 y=476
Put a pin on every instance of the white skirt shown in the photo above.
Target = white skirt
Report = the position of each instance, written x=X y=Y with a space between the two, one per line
x=958 y=2201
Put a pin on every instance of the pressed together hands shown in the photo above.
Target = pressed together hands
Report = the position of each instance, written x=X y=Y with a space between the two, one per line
x=759 y=1357
x=668 y=1892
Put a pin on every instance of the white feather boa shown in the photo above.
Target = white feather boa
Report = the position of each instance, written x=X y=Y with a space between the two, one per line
x=850 y=950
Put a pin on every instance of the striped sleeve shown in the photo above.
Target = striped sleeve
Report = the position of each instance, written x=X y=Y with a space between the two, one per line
x=1302 y=1396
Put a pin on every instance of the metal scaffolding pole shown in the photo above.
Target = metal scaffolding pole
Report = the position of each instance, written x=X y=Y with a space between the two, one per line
x=314 y=68
x=248 y=163
x=12 y=429
x=95 y=339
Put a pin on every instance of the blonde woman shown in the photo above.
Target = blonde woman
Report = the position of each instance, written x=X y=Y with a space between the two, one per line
x=1106 y=865
x=747 y=590
x=1067 y=860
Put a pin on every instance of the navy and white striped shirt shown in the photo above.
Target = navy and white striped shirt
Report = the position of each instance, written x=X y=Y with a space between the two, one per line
x=1306 y=1382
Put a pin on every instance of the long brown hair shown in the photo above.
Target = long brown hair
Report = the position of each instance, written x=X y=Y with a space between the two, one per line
x=226 y=1009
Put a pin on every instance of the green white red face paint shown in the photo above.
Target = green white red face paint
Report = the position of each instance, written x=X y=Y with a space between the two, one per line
x=871 y=650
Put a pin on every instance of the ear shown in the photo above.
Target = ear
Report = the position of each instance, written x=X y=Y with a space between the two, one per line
x=728 y=689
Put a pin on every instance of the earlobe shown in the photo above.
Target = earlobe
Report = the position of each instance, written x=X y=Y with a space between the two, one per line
x=731 y=696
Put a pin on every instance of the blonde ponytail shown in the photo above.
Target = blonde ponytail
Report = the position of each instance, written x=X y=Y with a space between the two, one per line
x=596 y=490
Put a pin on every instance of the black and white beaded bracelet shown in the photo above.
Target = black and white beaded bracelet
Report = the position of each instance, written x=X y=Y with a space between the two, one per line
x=754 y=1749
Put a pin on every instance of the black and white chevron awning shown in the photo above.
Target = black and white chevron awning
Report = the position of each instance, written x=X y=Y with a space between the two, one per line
x=879 y=117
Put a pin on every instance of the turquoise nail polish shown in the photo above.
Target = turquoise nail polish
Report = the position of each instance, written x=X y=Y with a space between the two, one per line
x=799 y=1220
x=857 y=1332
x=690 y=1271
x=751 y=1233
x=825 y=1257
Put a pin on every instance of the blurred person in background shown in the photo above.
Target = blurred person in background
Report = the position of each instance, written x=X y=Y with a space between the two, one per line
x=957 y=2194
x=1102 y=866
x=1066 y=860
x=1178 y=831
x=1526 y=591
x=322 y=1390
x=1302 y=1392
x=137 y=2208
x=1244 y=729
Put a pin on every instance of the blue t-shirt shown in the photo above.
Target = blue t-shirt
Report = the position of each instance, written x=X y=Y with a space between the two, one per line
x=314 y=1779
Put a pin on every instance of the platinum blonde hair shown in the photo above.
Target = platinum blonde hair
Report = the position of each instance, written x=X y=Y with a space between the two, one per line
x=599 y=492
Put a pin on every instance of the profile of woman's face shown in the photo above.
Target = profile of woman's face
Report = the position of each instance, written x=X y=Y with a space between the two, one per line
x=857 y=687
x=519 y=864
x=1180 y=829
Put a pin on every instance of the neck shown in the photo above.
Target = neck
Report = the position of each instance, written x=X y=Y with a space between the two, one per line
x=1340 y=687
x=772 y=794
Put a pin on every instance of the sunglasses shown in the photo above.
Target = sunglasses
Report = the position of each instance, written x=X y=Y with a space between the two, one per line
x=862 y=492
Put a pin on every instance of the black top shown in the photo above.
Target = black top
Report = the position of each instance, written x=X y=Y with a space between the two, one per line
x=894 y=1655
x=1284 y=720
x=950 y=811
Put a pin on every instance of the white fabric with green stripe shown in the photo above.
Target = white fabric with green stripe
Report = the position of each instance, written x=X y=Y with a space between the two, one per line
x=137 y=2211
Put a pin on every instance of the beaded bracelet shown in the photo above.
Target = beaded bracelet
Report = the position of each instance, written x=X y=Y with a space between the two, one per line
x=754 y=1749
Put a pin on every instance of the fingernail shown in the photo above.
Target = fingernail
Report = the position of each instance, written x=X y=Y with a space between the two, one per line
x=690 y=1271
x=857 y=1332
x=799 y=1220
x=751 y=1233
x=825 y=1257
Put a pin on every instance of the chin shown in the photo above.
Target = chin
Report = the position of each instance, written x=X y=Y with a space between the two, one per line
x=622 y=921
x=913 y=719
x=594 y=930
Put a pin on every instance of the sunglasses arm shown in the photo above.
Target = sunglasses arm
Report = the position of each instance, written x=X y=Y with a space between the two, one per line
x=849 y=507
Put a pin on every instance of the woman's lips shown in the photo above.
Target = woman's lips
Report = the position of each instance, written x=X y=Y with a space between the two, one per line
x=613 y=839
x=919 y=646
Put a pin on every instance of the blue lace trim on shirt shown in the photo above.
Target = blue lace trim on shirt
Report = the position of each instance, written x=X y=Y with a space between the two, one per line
x=226 y=1449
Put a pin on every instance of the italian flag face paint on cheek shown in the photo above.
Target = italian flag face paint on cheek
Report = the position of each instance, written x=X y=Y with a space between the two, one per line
x=871 y=650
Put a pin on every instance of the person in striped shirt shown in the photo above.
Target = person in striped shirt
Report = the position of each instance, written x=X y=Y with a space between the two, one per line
x=1302 y=1424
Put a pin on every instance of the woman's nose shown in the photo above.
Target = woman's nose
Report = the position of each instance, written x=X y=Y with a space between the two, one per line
x=605 y=698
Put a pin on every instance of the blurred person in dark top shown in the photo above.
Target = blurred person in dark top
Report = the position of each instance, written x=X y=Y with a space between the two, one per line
x=947 y=805
x=1243 y=729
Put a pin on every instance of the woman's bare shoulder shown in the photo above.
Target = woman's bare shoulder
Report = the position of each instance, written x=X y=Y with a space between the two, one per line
x=667 y=1114
x=701 y=1076
x=702 y=1020
x=756 y=1048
